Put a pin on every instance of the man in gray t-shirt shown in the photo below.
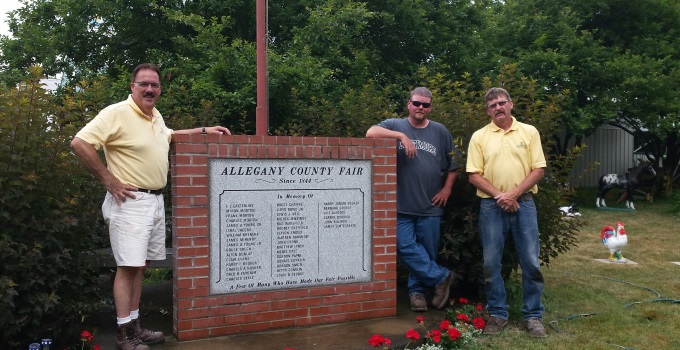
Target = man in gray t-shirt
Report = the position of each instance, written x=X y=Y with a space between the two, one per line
x=425 y=177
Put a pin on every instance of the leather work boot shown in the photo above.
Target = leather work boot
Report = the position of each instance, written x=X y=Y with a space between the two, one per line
x=147 y=337
x=126 y=338
x=418 y=302
x=494 y=325
x=441 y=292
x=535 y=327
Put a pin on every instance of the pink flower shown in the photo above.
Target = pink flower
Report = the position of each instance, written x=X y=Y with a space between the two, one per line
x=412 y=334
x=463 y=318
x=463 y=301
x=453 y=333
x=445 y=325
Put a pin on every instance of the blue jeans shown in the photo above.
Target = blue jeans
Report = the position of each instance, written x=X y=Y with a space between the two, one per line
x=417 y=247
x=494 y=226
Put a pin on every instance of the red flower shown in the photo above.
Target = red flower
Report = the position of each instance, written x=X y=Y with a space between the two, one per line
x=96 y=347
x=86 y=335
x=479 y=323
x=375 y=340
x=463 y=301
x=453 y=333
x=378 y=340
x=420 y=319
x=445 y=325
x=435 y=335
x=479 y=307
x=463 y=318
x=412 y=334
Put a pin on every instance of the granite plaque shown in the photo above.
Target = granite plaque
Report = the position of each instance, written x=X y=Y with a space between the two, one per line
x=289 y=223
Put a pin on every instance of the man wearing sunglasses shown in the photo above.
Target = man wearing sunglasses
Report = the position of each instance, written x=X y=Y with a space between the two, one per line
x=136 y=144
x=425 y=176
x=505 y=161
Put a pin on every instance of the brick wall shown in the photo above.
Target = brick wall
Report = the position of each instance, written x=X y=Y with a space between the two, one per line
x=197 y=314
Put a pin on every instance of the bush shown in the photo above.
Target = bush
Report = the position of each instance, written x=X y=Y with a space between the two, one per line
x=48 y=231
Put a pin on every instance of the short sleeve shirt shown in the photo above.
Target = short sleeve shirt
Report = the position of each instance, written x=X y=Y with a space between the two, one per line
x=505 y=158
x=136 y=147
x=420 y=178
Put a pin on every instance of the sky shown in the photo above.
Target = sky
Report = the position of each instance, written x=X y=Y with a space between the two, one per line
x=6 y=6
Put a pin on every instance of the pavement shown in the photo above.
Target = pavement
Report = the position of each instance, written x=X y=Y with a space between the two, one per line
x=156 y=310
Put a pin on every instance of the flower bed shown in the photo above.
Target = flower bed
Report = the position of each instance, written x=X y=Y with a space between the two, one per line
x=463 y=324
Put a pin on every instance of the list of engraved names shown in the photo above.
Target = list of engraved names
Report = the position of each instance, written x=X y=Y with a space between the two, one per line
x=240 y=242
x=291 y=236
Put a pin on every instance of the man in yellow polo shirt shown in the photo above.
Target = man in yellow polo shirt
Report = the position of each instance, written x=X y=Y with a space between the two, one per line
x=136 y=144
x=505 y=161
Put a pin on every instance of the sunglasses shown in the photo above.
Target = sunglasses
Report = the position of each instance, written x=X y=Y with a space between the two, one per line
x=424 y=104
x=499 y=103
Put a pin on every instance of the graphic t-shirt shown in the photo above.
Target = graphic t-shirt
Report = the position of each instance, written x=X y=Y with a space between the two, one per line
x=420 y=178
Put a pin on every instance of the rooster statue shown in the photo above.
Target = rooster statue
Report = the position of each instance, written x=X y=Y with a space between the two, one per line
x=615 y=240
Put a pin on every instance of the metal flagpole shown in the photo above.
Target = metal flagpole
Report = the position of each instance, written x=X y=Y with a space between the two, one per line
x=262 y=110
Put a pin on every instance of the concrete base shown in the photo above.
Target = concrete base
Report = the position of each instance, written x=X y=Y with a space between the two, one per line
x=616 y=262
x=157 y=304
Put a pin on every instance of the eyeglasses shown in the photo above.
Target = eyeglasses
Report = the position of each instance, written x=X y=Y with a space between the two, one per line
x=144 y=85
x=424 y=104
x=499 y=103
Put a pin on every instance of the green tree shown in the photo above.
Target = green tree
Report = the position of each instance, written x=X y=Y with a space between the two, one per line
x=317 y=49
x=77 y=38
x=547 y=41
x=617 y=63
x=647 y=104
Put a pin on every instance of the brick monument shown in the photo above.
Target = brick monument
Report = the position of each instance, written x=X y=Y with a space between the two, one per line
x=277 y=232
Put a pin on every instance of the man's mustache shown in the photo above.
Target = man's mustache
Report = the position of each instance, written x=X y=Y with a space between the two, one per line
x=149 y=94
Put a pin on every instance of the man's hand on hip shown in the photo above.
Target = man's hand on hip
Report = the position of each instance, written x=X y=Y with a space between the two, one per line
x=119 y=191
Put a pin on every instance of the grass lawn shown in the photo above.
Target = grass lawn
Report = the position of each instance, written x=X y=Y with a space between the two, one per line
x=607 y=306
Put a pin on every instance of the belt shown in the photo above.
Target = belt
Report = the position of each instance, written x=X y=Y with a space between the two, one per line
x=525 y=197
x=156 y=192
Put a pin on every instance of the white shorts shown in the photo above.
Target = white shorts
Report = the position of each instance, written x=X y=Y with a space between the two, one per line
x=136 y=228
